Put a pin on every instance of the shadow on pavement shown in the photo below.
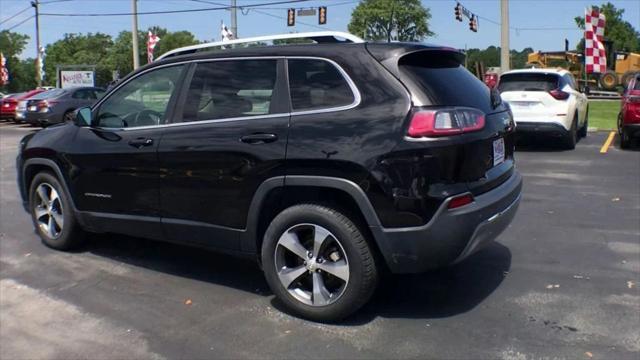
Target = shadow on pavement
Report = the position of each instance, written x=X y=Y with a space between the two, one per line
x=538 y=143
x=437 y=294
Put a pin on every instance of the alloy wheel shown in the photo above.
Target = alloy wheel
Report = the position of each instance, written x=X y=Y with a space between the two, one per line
x=312 y=265
x=48 y=211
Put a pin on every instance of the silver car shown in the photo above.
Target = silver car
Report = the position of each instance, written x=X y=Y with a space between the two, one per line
x=57 y=105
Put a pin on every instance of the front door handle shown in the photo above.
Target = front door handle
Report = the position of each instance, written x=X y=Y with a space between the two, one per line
x=259 y=138
x=141 y=142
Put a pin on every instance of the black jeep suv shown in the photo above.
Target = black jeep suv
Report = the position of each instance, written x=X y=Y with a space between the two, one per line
x=329 y=163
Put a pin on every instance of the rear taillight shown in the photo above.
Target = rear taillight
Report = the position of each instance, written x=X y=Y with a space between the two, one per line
x=559 y=94
x=460 y=201
x=44 y=105
x=445 y=122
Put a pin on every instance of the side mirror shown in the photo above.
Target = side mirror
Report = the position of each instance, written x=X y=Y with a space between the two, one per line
x=83 y=117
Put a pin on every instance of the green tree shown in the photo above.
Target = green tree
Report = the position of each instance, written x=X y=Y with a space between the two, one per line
x=120 y=55
x=402 y=20
x=79 y=49
x=12 y=45
x=623 y=35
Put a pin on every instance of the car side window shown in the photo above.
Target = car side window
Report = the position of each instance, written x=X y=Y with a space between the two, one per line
x=229 y=89
x=98 y=93
x=142 y=101
x=317 y=84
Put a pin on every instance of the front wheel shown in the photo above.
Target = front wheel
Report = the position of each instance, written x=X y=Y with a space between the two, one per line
x=52 y=214
x=318 y=263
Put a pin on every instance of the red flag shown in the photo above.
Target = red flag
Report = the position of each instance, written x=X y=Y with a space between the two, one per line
x=4 y=72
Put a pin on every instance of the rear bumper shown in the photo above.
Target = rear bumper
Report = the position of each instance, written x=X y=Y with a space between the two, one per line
x=541 y=128
x=451 y=235
x=35 y=118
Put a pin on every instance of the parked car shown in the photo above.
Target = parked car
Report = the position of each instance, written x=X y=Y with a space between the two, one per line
x=327 y=162
x=546 y=102
x=57 y=105
x=6 y=96
x=8 y=109
x=629 y=117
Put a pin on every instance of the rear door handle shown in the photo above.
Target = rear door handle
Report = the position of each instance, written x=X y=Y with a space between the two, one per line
x=259 y=138
x=141 y=142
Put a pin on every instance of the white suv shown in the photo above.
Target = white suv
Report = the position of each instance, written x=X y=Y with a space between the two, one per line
x=546 y=101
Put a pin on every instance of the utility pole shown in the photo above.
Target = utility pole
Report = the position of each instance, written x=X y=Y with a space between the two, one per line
x=504 y=36
x=36 y=5
x=234 y=19
x=134 y=34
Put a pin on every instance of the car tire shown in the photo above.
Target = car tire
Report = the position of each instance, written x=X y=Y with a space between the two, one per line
x=68 y=116
x=301 y=279
x=571 y=138
x=625 y=141
x=585 y=127
x=52 y=213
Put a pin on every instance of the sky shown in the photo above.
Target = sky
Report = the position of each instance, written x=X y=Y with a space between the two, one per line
x=540 y=24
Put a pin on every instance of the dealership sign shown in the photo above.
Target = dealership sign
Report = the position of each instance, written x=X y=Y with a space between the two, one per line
x=73 y=78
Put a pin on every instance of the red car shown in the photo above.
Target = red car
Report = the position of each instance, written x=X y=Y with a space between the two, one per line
x=9 y=104
x=629 y=117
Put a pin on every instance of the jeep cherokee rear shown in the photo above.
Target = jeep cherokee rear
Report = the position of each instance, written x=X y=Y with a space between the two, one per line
x=328 y=162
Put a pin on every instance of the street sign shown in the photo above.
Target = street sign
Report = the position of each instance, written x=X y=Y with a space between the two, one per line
x=307 y=12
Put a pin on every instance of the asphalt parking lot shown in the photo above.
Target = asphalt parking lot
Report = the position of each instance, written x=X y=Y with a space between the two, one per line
x=562 y=282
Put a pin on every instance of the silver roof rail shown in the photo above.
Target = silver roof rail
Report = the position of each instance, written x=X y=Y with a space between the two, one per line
x=318 y=36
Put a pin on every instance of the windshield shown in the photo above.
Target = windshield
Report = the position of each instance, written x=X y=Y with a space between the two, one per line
x=49 y=94
x=528 y=82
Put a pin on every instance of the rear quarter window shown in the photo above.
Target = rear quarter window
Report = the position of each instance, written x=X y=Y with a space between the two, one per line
x=438 y=78
x=528 y=82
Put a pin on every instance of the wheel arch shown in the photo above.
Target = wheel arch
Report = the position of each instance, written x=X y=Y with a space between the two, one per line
x=34 y=166
x=276 y=194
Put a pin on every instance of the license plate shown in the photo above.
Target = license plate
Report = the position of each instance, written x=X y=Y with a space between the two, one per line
x=32 y=108
x=498 y=151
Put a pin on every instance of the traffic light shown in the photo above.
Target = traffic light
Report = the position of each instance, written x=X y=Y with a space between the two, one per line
x=322 y=15
x=458 y=10
x=291 y=17
x=473 y=23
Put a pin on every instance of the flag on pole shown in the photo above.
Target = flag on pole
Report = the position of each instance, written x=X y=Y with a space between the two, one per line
x=594 y=52
x=41 y=63
x=226 y=33
x=4 y=72
x=152 y=41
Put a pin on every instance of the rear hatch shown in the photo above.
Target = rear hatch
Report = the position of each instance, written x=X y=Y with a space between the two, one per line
x=475 y=158
x=530 y=95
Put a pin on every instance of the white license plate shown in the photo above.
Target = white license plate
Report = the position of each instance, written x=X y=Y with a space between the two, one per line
x=498 y=151
x=32 y=108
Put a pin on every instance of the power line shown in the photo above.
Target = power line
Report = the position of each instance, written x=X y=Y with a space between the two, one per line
x=170 y=11
x=14 y=15
x=20 y=23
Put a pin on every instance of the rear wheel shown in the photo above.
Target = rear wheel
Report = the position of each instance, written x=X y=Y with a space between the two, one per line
x=68 y=116
x=318 y=263
x=585 y=127
x=52 y=214
x=608 y=80
x=572 y=135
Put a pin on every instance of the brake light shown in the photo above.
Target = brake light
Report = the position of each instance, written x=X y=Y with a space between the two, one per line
x=460 y=201
x=445 y=122
x=559 y=94
x=44 y=105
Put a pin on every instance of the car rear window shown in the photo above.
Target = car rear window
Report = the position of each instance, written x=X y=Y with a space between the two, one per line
x=443 y=80
x=528 y=82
